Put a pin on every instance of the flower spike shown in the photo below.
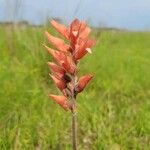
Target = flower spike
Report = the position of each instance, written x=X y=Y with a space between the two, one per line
x=64 y=70
x=66 y=57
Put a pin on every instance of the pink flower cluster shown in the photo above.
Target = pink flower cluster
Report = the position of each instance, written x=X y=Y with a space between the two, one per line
x=67 y=56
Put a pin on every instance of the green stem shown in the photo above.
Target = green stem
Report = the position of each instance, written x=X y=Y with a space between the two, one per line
x=74 y=121
x=74 y=130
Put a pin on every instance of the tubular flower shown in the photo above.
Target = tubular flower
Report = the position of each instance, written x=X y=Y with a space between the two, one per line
x=59 y=82
x=61 y=29
x=57 y=70
x=66 y=57
x=57 y=42
x=61 y=100
x=59 y=56
x=83 y=81
x=83 y=47
x=84 y=31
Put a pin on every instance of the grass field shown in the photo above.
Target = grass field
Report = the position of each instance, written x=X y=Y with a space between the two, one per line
x=113 y=112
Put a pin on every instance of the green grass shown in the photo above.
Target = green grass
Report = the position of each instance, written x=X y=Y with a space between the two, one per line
x=113 y=111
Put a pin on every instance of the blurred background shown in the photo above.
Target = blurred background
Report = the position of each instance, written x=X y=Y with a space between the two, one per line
x=132 y=15
x=113 y=111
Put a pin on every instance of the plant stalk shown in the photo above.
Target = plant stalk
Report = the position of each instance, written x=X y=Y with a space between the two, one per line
x=74 y=131
x=74 y=121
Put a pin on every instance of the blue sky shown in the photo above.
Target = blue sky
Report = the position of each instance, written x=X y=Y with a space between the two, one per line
x=129 y=14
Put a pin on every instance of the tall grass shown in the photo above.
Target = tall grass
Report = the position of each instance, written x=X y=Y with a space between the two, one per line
x=116 y=112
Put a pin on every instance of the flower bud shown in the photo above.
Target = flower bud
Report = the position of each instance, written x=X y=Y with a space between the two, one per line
x=83 y=47
x=57 y=42
x=59 y=82
x=83 y=81
x=74 y=32
x=84 y=34
x=59 y=56
x=59 y=71
x=61 y=100
x=71 y=67
x=60 y=28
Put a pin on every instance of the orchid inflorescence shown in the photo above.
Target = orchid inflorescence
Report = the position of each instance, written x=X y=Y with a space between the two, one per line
x=67 y=56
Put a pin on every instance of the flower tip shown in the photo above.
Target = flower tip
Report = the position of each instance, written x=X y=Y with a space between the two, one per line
x=48 y=49
x=89 y=50
x=75 y=33
x=51 y=75
x=46 y=32
x=50 y=63
x=52 y=96
x=45 y=45
x=91 y=76
x=48 y=35
x=52 y=21
x=51 y=51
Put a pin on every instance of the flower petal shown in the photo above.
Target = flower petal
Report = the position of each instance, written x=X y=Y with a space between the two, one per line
x=59 y=82
x=60 y=28
x=57 y=42
x=59 y=71
x=63 y=60
x=74 y=26
x=61 y=100
x=83 y=47
x=83 y=81
x=72 y=66
x=74 y=31
x=59 y=56
x=84 y=34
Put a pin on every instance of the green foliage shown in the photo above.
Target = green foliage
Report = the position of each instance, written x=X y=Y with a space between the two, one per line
x=113 y=112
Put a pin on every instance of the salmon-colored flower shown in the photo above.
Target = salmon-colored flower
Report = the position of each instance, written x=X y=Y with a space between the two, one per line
x=63 y=60
x=59 y=71
x=74 y=32
x=83 y=47
x=63 y=30
x=83 y=81
x=84 y=32
x=61 y=100
x=57 y=42
x=59 y=82
x=59 y=56
x=66 y=57
x=70 y=65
